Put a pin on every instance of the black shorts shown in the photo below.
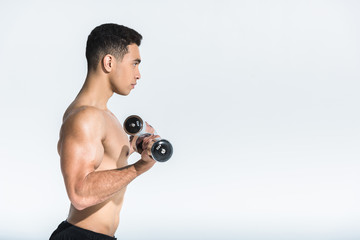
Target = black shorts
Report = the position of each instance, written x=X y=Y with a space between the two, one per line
x=67 y=231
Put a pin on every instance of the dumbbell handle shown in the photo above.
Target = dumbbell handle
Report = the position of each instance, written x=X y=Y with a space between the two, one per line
x=159 y=149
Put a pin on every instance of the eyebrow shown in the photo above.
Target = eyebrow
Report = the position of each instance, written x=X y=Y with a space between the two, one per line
x=137 y=60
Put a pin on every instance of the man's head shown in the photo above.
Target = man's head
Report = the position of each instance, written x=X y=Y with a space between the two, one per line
x=109 y=39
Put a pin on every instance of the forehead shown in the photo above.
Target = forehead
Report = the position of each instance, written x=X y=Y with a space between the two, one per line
x=133 y=52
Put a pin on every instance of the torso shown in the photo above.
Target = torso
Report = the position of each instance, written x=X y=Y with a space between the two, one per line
x=104 y=217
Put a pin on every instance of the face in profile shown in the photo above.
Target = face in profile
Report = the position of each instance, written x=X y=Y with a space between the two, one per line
x=126 y=72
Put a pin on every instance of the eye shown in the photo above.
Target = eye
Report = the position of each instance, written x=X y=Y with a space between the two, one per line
x=136 y=63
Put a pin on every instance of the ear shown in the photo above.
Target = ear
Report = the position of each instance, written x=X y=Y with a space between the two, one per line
x=108 y=62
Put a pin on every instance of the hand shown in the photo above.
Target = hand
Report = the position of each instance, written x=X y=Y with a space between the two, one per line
x=146 y=162
x=149 y=129
x=147 y=143
x=132 y=139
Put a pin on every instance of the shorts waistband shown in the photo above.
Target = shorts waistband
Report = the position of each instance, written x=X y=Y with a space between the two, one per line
x=89 y=234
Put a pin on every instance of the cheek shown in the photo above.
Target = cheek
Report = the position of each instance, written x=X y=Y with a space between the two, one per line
x=124 y=76
x=126 y=73
x=121 y=75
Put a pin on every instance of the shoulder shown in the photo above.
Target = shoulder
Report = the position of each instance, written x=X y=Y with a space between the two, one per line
x=82 y=112
x=83 y=120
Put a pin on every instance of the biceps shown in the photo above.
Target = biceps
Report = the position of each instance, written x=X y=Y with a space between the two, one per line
x=79 y=158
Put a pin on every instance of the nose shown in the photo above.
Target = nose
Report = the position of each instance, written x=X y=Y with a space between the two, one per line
x=137 y=74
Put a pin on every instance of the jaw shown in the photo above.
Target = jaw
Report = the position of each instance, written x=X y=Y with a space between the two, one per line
x=122 y=92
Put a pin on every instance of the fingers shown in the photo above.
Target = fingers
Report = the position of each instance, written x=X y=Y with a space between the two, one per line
x=149 y=140
x=149 y=128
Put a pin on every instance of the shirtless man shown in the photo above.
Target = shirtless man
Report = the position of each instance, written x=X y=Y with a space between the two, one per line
x=93 y=146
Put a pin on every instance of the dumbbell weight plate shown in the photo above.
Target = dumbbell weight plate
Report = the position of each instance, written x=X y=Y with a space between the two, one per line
x=162 y=150
x=133 y=125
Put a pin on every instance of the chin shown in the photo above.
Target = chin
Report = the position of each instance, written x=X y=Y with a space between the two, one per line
x=123 y=93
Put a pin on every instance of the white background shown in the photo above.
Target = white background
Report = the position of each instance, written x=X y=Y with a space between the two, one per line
x=259 y=98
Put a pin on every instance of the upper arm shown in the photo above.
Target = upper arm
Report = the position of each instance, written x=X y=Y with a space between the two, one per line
x=81 y=149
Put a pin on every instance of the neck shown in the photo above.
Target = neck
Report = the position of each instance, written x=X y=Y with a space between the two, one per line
x=95 y=92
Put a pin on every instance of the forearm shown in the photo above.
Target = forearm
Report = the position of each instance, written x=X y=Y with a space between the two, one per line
x=99 y=186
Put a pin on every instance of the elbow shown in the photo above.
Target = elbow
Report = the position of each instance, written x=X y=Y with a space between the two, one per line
x=78 y=199
x=80 y=203
x=78 y=206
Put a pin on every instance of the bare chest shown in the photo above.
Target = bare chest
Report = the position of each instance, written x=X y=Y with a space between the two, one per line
x=116 y=145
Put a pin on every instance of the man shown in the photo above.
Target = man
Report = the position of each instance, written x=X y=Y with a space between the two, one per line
x=93 y=146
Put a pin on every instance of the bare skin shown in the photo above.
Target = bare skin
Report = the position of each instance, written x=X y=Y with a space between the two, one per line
x=94 y=148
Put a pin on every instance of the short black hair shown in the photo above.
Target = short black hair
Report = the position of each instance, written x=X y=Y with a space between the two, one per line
x=109 y=38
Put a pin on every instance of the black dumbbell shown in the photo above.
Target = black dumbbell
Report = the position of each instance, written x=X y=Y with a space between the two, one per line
x=159 y=149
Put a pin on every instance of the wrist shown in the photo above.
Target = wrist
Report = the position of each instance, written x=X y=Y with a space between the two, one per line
x=142 y=166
